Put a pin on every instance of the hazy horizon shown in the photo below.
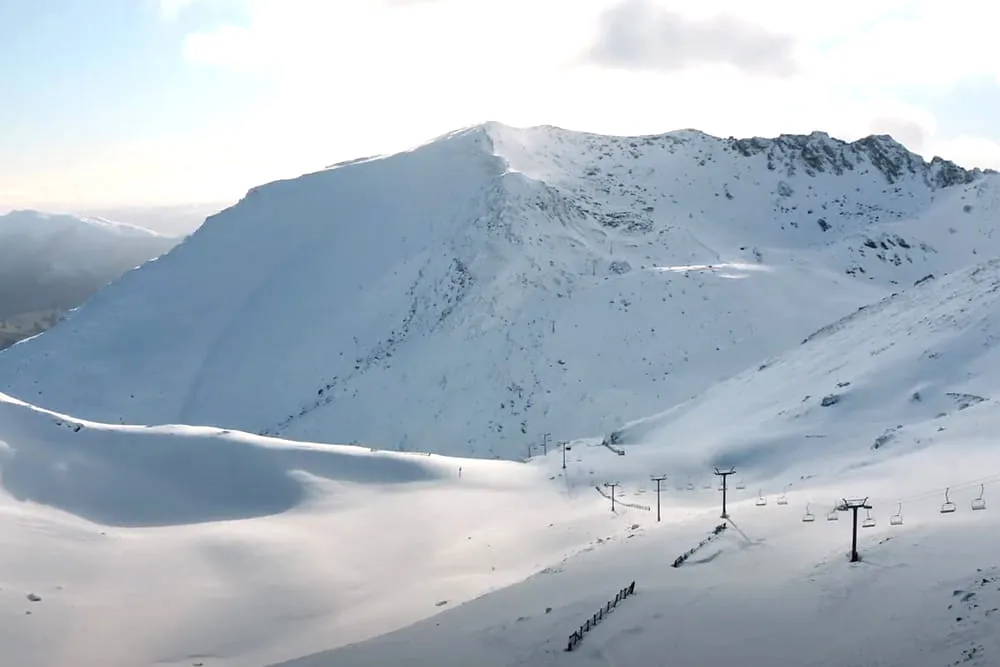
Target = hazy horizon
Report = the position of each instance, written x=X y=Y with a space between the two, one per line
x=168 y=219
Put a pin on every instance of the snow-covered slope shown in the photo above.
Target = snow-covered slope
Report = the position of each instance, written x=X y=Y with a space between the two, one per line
x=55 y=262
x=177 y=545
x=773 y=588
x=497 y=284
x=848 y=392
x=124 y=546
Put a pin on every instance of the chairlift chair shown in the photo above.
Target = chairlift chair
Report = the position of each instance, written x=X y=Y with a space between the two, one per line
x=808 y=517
x=761 y=500
x=947 y=507
x=740 y=485
x=833 y=516
x=783 y=499
x=690 y=485
x=707 y=485
x=869 y=522
x=897 y=518
x=980 y=502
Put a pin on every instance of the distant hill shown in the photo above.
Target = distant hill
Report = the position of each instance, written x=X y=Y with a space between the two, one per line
x=51 y=263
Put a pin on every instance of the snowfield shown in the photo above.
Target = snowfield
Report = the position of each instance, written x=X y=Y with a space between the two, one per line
x=488 y=292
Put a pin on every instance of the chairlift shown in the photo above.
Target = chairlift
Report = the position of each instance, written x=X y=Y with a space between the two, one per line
x=761 y=500
x=707 y=485
x=947 y=507
x=690 y=485
x=740 y=485
x=897 y=518
x=869 y=522
x=980 y=502
x=833 y=516
x=783 y=499
x=808 y=517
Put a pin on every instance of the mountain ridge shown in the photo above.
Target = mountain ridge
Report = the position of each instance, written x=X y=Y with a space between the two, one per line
x=495 y=284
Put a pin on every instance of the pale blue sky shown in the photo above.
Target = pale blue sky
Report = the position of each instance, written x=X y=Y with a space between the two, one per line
x=84 y=76
x=88 y=73
x=114 y=102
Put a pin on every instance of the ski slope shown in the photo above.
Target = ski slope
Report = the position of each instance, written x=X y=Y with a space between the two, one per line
x=497 y=284
x=180 y=545
x=775 y=589
x=782 y=592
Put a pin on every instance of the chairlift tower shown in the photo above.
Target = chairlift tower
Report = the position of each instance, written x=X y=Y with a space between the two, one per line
x=612 y=486
x=565 y=446
x=724 y=474
x=658 y=480
x=854 y=505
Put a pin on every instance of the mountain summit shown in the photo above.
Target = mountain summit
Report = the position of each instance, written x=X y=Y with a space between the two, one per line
x=496 y=285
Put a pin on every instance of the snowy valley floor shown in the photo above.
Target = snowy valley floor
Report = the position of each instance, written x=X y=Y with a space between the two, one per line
x=218 y=548
x=378 y=542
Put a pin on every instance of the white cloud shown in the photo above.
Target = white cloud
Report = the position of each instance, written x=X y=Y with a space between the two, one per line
x=638 y=34
x=849 y=43
x=355 y=77
x=229 y=46
x=171 y=9
x=935 y=43
x=969 y=150
x=912 y=134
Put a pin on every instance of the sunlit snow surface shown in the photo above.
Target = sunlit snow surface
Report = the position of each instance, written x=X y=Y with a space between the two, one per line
x=498 y=284
x=146 y=544
x=733 y=271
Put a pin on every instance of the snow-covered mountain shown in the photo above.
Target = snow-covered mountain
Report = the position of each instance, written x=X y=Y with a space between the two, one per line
x=50 y=263
x=499 y=284
x=830 y=327
x=898 y=403
x=176 y=545
x=172 y=220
